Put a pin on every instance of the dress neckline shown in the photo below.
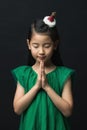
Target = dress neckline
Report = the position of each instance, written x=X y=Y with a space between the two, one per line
x=52 y=71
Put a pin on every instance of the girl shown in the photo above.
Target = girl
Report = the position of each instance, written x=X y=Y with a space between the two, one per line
x=43 y=95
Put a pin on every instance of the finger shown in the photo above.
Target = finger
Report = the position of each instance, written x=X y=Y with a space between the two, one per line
x=42 y=64
x=42 y=68
x=40 y=71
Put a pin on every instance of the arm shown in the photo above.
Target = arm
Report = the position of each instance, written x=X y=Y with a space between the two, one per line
x=65 y=102
x=21 y=100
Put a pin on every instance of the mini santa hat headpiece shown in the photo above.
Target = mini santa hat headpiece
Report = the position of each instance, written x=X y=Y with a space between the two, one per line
x=50 y=20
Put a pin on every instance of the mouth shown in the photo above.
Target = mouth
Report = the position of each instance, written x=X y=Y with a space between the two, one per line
x=41 y=57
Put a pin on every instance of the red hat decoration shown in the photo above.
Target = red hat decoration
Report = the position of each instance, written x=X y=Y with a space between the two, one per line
x=50 y=20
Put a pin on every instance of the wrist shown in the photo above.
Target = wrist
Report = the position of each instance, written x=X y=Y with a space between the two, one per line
x=37 y=88
x=46 y=88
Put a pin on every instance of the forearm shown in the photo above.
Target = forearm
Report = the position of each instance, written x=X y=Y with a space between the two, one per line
x=59 y=102
x=21 y=104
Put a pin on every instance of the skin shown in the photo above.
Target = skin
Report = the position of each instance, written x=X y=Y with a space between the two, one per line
x=42 y=48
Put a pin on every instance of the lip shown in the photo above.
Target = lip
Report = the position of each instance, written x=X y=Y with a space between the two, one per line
x=41 y=57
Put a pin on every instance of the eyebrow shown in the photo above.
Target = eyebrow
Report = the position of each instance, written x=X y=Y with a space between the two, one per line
x=35 y=43
x=48 y=43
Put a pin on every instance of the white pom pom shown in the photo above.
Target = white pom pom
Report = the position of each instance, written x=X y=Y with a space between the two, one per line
x=48 y=22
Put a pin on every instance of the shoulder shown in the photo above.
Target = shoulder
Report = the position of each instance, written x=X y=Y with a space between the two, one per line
x=20 y=73
x=65 y=69
x=23 y=68
x=65 y=73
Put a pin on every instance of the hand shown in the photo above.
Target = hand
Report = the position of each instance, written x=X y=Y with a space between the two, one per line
x=39 y=78
x=43 y=75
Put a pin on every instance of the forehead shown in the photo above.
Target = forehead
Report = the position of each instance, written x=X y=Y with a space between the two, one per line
x=39 y=37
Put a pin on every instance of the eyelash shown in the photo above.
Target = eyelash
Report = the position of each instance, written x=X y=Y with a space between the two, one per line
x=35 y=46
x=46 y=46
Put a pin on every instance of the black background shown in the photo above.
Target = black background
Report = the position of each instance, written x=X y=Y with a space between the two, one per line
x=15 y=17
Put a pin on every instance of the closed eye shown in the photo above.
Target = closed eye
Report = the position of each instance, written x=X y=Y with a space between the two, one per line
x=47 y=45
x=35 y=45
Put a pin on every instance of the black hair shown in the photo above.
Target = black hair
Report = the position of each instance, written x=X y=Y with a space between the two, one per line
x=40 y=27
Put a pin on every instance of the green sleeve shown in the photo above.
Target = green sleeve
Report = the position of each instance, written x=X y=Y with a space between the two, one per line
x=18 y=74
x=65 y=74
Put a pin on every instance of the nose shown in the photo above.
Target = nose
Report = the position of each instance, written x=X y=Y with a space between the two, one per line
x=41 y=51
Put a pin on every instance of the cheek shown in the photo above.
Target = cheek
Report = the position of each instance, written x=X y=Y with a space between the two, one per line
x=50 y=51
x=33 y=51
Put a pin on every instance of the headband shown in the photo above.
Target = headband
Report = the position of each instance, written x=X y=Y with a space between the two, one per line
x=50 y=20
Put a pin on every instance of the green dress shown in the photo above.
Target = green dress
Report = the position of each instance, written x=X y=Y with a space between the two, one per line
x=42 y=113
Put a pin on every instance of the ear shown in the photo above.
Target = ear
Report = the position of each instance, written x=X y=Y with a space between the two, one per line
x=56 y=44
x=28 y=44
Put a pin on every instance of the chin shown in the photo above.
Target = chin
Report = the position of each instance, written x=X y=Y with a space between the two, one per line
x=41 y=60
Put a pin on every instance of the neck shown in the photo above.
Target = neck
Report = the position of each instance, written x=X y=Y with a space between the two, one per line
x=48 y=67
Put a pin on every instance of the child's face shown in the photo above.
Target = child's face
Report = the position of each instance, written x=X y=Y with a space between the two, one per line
x=41 y=47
